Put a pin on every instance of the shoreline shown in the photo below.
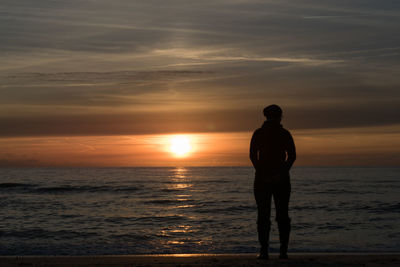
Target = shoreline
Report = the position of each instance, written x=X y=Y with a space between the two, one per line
x=246 y=259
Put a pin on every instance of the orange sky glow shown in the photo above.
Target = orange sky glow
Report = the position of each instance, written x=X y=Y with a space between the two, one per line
x=347 y=147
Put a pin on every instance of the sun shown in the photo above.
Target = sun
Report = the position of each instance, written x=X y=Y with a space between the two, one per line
x=180 y=145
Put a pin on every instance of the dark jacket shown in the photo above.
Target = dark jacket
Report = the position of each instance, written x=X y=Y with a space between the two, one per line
x=272 y=149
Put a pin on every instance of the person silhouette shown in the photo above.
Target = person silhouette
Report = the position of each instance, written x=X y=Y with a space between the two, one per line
x=272 y=153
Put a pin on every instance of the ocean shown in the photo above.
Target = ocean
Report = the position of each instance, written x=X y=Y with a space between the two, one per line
x=97 y=211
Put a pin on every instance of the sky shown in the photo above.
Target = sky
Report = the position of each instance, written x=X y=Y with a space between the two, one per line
x=108 y=83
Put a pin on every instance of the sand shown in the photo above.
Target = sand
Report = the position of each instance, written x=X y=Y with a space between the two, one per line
x=185 y=260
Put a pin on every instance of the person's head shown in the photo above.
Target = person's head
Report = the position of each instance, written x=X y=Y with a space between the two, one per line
x=273 y=113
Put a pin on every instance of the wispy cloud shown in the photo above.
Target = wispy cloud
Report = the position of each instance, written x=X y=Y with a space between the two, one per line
x=215 y=56
x=203 y=58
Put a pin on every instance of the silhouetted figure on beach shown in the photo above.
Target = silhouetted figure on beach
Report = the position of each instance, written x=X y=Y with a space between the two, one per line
x=272 y=152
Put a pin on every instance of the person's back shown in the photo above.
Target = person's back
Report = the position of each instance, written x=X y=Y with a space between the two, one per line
x=272 y=142
x=272 y=153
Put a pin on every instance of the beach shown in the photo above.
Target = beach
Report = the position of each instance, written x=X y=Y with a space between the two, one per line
x=296 y=259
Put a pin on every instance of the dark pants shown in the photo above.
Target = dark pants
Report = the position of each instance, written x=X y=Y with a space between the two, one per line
x=264 y=189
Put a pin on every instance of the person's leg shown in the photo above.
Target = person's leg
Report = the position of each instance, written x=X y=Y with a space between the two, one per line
x=263 y=200
x=281 y=200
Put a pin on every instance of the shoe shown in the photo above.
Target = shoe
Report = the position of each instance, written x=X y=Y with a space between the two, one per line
x=263 y=254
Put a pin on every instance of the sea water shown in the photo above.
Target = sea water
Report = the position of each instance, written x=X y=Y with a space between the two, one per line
x=86 y=211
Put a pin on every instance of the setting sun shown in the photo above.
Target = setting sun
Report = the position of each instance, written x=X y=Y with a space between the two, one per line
x=180 y=145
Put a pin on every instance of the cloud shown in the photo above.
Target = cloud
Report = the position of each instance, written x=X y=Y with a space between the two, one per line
x=215 y=56
x=165 y=64
x=92 y=88
x=194 y=121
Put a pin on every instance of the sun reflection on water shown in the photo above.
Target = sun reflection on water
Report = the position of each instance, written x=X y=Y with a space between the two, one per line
x=180 y=180
x=180 y=172
x=179 y=187
x=182 y=229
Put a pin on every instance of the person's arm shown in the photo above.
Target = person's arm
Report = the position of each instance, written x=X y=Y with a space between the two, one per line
x=254 y=150
x=291 y=152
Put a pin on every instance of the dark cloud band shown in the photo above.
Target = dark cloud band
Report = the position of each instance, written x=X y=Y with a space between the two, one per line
x=195 y=121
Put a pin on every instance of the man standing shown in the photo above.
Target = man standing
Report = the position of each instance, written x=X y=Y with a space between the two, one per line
x=272 y=152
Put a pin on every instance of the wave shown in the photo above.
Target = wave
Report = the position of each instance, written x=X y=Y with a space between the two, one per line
x=344 y=192
x=330 y=226
x=213 y=182
x=299 y=226
x=63 y=189
x=131 y=237
x=386 y=208
x=172 y=189
x=126 y=189
x=231 y=209
x=66 y=188
x=310 y=207
x=15 y=185
x=377 y=208
x=168 y=201
x=164 y=219
x=123 y=220
x=46 y=234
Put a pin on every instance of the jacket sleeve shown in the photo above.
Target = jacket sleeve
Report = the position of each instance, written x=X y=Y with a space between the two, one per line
x=254 y=149
x=290 y=151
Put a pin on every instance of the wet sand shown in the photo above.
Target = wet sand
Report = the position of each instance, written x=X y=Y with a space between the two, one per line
x=185 y=260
